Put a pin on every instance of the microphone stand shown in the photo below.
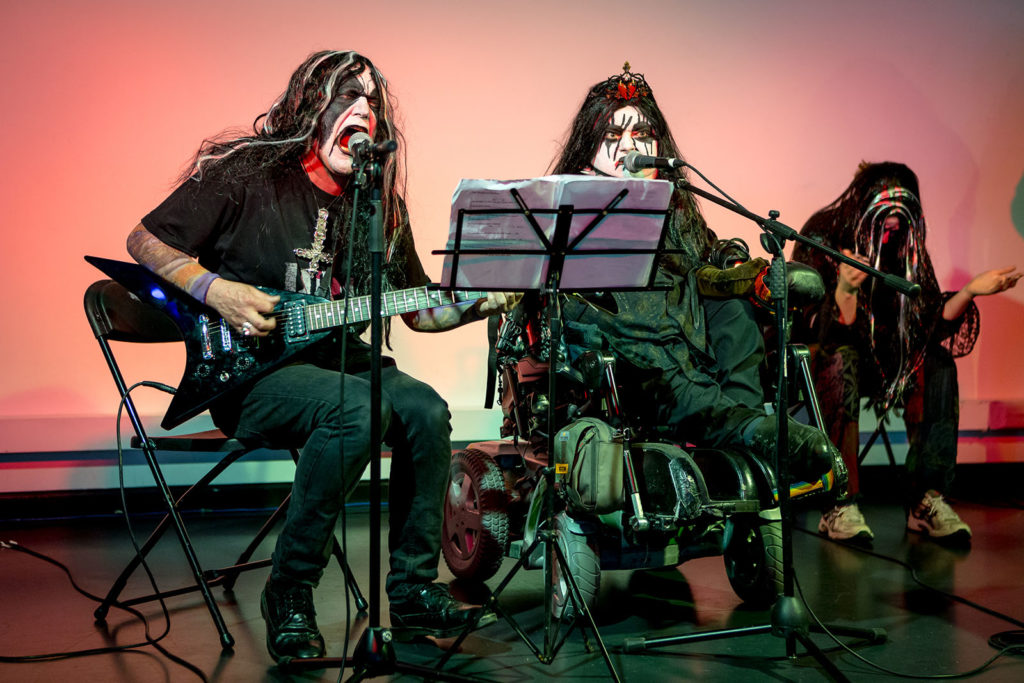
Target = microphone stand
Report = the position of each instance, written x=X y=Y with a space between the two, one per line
x=789 y=619
x=374 y=655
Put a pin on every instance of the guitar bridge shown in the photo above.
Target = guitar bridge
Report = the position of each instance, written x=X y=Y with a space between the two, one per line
x=225 y=336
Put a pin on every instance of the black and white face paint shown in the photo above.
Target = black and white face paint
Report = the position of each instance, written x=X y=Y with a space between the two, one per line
x=627 y=130
x=353 y=109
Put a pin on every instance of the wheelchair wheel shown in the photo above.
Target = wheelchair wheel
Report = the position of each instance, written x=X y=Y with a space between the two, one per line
x=583 y=564
x=475 y=534
x=753 y=559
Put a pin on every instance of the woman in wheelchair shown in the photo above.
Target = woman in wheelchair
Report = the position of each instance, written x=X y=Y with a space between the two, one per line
x=640 y=377
x=696 y=349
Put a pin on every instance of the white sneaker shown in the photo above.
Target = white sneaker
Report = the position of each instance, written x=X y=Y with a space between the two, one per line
x=934 y=517
x=844 y=522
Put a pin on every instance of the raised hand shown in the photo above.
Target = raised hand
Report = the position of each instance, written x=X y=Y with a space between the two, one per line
x=993 y=281
x=850 y=278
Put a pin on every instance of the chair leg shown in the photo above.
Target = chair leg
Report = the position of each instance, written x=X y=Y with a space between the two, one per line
x=172 y=517
x=243 y=563
x=226 y=640
x=802 y=359
x=888 y=446
x=870 y=443
x=154 y=537
x=119 y=583
x=350 y=579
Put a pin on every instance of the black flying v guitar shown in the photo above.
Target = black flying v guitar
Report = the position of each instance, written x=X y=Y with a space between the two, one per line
x=220 y=359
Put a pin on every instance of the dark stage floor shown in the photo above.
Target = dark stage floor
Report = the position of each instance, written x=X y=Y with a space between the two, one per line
x=929 y=633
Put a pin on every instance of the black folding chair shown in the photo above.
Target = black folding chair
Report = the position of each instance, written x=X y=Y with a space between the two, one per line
x=116 y=316
x=879 y=432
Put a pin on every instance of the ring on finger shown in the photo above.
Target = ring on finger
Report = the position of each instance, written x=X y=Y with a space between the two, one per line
x=247 y=328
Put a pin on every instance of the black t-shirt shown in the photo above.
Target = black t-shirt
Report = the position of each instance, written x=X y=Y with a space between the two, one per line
x=249 y=231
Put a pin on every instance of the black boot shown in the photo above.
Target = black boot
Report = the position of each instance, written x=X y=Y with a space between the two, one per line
x=429 y=609
x=292 y=632
x=811 y=454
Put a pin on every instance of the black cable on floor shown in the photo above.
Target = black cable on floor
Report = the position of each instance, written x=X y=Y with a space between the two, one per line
x=914 y=576
x=149 y=640
x=1007 y=639
x=56 y=656
x=1008 y=642
x=1010 y=649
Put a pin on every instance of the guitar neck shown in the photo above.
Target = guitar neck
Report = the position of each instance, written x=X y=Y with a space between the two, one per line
x=322 y=316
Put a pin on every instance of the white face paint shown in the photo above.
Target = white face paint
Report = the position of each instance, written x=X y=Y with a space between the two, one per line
x=353 y=109
x=627 y=130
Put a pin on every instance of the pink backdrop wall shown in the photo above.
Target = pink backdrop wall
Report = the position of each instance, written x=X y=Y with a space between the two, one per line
x=777 y=102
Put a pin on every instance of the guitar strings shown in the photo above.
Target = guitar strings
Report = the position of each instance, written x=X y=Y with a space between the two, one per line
x=337 y=307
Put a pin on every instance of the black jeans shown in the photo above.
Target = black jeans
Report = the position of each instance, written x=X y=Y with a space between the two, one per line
x=931 y=415
x=297 y=406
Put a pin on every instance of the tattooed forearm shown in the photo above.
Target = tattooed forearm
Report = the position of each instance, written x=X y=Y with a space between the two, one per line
x=443 y=317
x=173 y=265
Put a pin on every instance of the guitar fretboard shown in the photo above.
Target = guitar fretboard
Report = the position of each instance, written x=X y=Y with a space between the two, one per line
x=330 y=314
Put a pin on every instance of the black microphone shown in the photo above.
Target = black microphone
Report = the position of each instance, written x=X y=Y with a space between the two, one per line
x=635 y=161
x=364 y=148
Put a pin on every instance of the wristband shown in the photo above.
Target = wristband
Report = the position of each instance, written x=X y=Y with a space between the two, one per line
x=201 y=286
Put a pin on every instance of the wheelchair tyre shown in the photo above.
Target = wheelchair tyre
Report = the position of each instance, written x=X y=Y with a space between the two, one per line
x=583 y=564
x=476 y=526
x=753 y=559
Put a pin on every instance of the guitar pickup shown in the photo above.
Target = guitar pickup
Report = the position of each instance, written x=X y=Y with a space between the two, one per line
x=295 y=326
x=204 y=337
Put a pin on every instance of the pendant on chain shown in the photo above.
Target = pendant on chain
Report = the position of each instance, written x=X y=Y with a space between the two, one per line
x=315 y=252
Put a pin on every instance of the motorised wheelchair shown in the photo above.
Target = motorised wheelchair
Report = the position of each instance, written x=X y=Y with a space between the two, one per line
x=625 y=495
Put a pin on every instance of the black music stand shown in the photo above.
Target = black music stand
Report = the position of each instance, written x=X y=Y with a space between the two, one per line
x=614 y=245
x=789 y=619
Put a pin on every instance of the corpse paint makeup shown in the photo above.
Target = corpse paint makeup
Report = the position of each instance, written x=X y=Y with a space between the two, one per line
x=627 y=130
x=353 y=109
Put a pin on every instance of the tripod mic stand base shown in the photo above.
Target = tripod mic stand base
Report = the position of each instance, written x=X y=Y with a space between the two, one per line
x=375 y=652
x=789 y=617
x=789 y=621
x=374 y=655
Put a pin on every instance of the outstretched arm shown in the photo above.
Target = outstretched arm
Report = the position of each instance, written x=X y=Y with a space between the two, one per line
x=447 y=317
x=984 y=284
x=237 y=302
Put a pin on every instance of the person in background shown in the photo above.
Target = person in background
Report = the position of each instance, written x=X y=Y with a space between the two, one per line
x=898 y=352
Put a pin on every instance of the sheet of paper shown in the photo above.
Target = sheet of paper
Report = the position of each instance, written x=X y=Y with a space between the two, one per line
x=500 y=245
